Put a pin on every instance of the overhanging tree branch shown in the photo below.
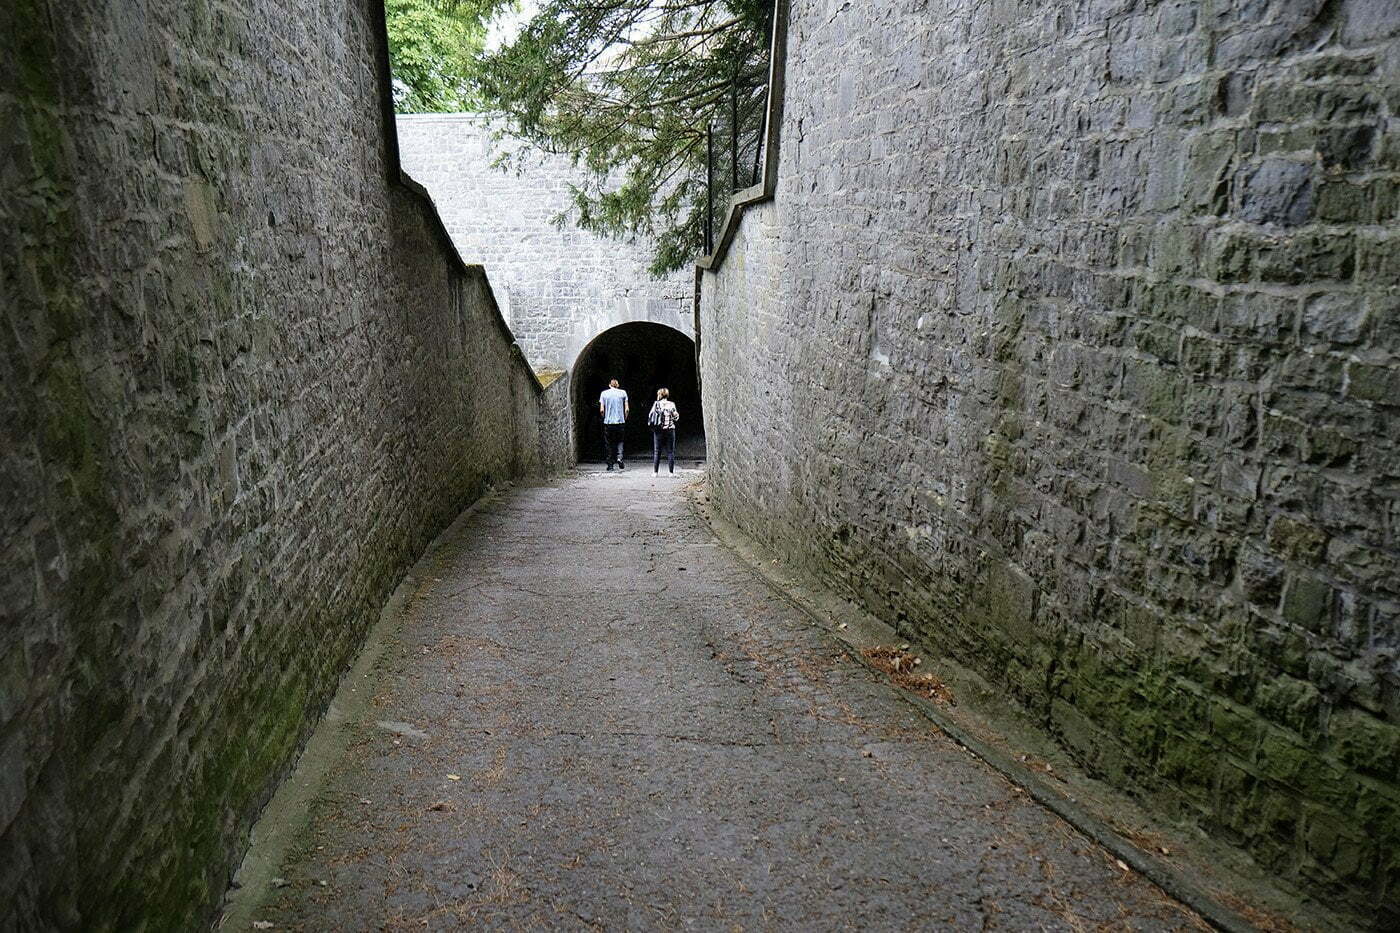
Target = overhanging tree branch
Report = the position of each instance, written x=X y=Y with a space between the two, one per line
x=627 y=89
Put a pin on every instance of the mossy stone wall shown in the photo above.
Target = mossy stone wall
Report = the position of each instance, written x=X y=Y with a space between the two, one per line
x=243 y=381
x=1071 y=343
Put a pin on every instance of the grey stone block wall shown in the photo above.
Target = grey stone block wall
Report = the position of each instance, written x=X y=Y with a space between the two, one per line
x=556 y=424
x=244 y=380
x=561 y=286
x=1071 y=344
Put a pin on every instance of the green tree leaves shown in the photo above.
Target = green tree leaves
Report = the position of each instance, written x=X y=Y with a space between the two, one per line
x=432 y=46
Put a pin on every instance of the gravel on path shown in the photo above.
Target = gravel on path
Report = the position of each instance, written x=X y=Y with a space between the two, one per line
x=591 y=714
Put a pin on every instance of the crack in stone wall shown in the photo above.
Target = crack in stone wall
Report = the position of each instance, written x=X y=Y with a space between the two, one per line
x=245 y=382
x=1071 y=345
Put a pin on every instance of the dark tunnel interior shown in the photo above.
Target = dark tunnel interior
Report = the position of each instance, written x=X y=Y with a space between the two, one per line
x=642 y=357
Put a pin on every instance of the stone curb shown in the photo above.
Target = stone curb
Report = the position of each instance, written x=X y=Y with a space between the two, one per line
x=1165 y=877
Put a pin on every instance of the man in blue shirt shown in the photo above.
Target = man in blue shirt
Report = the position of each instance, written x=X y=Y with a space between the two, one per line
x=613 y=406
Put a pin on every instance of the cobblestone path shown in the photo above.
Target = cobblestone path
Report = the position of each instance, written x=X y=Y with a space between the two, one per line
x=595 y=716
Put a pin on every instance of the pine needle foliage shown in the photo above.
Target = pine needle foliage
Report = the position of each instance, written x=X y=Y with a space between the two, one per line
x=627 y=88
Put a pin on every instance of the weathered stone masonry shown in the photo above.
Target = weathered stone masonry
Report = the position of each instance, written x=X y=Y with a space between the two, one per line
x=1071 y=341
x=245 y=380
x=562 y=286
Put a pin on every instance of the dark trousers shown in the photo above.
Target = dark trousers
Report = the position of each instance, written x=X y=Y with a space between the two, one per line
x=612 y=442
x=663 y=437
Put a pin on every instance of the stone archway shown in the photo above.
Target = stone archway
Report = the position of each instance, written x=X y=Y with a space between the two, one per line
x=643 y=357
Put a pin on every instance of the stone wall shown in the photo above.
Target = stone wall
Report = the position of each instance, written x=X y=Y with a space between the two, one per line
x=245 y=380
x=556 y=423
x=561 y=286
x=1071 y=343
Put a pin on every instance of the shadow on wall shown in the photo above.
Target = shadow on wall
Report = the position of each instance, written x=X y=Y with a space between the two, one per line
x=643 y=357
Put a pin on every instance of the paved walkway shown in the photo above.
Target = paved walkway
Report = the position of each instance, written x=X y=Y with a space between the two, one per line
x=595 y=716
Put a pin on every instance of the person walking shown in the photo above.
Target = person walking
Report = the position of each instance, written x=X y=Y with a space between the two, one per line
x=614 y=408
x=663 y=418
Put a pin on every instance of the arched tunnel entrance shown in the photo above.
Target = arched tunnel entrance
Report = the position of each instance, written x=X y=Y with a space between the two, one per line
x=642 y=357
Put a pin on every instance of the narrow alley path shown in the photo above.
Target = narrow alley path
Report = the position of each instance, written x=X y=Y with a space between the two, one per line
x=595 y=716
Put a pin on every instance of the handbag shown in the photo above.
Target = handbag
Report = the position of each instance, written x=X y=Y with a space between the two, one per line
x=654 y=418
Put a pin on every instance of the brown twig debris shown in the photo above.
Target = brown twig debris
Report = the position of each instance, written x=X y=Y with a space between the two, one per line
x=901 y=666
